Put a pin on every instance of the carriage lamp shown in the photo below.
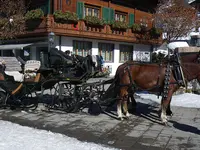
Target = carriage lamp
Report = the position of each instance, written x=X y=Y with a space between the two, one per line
x=51 y=38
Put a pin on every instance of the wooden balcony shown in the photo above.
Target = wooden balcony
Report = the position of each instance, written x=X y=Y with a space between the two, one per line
x=81 y=29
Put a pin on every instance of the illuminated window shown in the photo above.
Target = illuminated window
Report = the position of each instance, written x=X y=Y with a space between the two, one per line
x=106 y=50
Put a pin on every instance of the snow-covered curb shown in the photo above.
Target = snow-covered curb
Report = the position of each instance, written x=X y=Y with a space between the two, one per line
x=183 y=100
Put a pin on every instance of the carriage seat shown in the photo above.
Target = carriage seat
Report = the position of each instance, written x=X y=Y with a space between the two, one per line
x=30 y=71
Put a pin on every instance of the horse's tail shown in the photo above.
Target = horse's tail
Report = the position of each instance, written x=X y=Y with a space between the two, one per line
x=111 y=93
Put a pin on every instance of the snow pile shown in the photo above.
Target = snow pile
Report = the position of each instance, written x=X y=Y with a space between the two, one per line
x=16 y=137
x=183 y=100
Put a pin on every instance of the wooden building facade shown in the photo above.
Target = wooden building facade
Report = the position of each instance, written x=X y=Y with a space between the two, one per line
x=116 y=45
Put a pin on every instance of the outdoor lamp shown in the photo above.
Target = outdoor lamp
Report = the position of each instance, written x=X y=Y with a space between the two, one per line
x=51 y=38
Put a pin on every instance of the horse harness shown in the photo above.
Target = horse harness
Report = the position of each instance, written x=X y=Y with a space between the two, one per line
x=167 y=82
x=133 y=85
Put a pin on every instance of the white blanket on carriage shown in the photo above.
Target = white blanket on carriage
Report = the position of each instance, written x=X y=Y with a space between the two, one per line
x=30 y=69
x=32 y=66
x=19 y=77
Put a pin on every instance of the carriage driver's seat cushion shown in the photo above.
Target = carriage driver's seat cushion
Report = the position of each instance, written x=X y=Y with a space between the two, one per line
x=30 y=71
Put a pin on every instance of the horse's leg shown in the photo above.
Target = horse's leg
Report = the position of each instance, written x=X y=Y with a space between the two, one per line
x=119 y=109
x=164 y=104
x=168 y=111
x=125 y=100
x=123 y=94
x=132 y=103
x=119 y=104
x=131 y=100
x=125 y=106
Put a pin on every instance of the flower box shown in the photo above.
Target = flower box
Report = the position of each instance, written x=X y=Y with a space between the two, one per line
x=34 y=14
x=34 y=18
x=94 y=21
x=65 y=17
x=118 y=25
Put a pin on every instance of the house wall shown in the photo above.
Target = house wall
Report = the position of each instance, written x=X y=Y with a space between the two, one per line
x=67 y=44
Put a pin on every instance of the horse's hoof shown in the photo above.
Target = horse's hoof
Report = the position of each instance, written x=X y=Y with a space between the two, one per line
x=120 y=118
x=127 y=118
x=165 y=124
x=127 y=114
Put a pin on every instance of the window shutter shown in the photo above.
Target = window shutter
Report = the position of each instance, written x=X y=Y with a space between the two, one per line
x=131 y=19
x=46 y=8
x=49 y=7
x=106 y=14
x=112 y=15
x=80 y=9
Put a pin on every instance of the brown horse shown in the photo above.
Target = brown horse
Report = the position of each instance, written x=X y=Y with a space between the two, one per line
x=131 y=76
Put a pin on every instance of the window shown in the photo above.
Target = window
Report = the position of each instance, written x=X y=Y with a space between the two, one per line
x=91 y=11
x=120 y=16
x=126 y=53
x=106 y=50
x=82 y=48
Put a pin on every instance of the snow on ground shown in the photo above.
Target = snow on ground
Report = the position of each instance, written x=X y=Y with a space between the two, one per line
x=17 y=137
x=183 y=100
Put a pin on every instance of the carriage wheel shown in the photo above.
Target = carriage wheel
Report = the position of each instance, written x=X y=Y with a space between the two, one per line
x=2 y=98
x=90 y=94
x=70 y=95
x=28 y=101
x=59 y=95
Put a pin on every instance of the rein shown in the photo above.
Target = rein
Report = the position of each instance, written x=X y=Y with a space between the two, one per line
x=186 y=70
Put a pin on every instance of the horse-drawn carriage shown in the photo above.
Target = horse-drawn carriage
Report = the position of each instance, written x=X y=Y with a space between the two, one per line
x=65 y=77
x=69 y=90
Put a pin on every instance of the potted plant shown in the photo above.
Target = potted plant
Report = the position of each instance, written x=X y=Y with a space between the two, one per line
x=71 y=17
x=34 y=18
x=34 y=14
x=136 y=28
x=58 y=16
x=94 y=21
x=155 y=32
x=65 y=17
x=119 y=25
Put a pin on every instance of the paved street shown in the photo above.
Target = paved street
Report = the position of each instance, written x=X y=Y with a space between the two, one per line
x=142 y=131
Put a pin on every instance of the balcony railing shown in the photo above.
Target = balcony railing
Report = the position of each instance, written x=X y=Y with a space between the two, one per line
x=81 y=29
